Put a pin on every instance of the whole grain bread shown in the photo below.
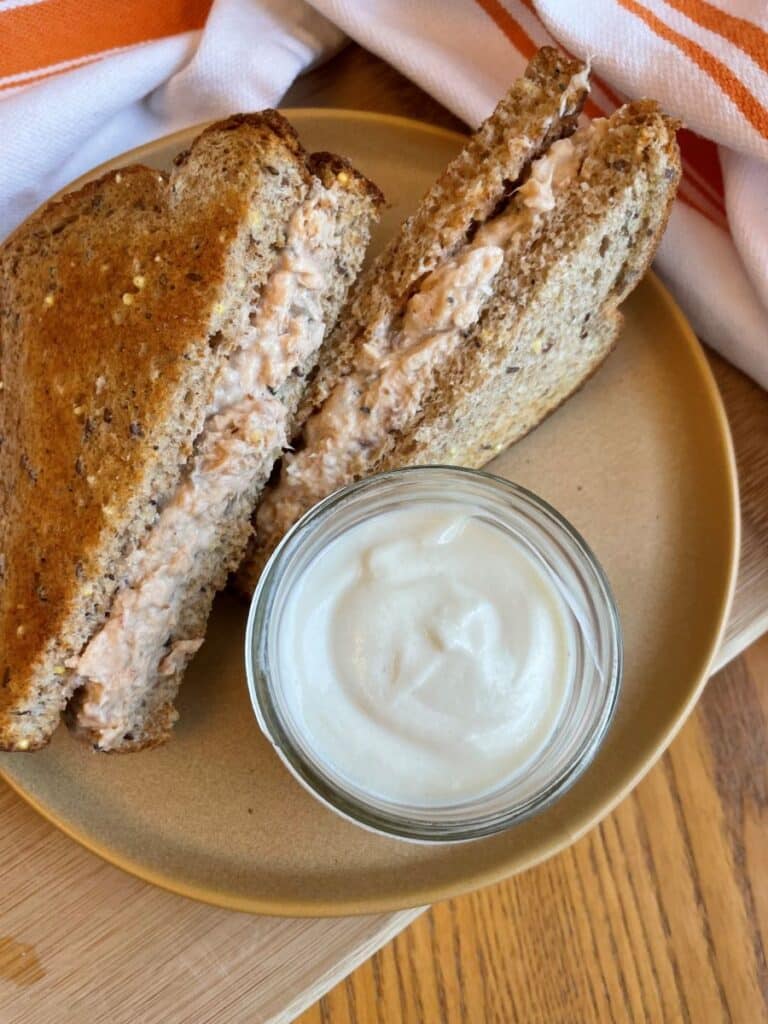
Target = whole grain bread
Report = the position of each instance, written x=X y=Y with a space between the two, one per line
x=152 y=715
x=551 y=320
x=542 y=106
x=118 y=303
x=554 y=315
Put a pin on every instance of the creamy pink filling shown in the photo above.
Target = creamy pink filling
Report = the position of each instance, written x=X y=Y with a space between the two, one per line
x=244 y=430
x=394 y=373
x=391 y=377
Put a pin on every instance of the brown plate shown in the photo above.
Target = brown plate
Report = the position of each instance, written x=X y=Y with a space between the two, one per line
x=640 y=461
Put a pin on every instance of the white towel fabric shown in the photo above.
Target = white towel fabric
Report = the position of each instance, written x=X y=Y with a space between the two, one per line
x=707 y=64
x=51 y=132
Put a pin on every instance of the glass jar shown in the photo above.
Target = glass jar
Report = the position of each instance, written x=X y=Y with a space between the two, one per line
x=593 y=624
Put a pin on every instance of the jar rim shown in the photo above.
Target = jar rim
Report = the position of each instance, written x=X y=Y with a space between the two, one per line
x=426 y=824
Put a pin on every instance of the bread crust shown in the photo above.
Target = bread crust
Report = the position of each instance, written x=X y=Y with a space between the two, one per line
x=329 y=166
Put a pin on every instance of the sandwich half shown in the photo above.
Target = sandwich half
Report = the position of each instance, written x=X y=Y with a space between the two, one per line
x=497 y=299
x=156 y=333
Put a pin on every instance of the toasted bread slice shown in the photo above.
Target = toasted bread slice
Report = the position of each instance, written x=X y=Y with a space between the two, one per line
x=540 y=108
x=554 y=316
x=536 y=284
x=119 y=306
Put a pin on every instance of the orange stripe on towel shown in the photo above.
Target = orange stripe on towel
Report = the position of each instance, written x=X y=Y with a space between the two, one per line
x=749 y=37
x=37 y=36
x=511 y=28
x=721 y=75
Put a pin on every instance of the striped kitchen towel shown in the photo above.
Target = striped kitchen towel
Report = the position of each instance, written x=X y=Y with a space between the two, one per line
x=82 y=80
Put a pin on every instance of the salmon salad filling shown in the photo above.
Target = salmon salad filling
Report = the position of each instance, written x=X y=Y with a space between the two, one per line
x=395 y=369
x=244 y=432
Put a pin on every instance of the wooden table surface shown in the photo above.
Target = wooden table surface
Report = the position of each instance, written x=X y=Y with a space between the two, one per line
x=659 y=914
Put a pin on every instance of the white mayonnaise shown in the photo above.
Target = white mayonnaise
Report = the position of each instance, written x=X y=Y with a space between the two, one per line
x=426 y=655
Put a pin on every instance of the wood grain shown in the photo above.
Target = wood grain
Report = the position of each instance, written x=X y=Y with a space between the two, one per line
x=81 y=941
x=659 y=914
